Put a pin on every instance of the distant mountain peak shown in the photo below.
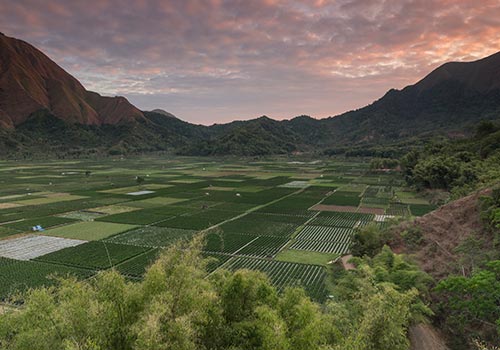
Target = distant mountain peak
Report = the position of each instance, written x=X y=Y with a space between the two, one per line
x=30 y=81
x=482 y=75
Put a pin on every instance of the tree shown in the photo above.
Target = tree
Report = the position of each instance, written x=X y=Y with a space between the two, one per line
x=471 y=303
x=177 y=307
x=139 y=180
x=378 y=301
x=368 y=240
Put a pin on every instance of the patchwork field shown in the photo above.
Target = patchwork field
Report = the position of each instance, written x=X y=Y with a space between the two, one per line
x=286 y=219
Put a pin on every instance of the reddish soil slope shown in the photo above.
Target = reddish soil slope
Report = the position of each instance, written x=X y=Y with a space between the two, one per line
x=443 y=230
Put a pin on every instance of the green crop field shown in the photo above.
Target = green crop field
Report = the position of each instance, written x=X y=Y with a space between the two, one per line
x=88 y=231
x=288 y=220
x=17 y=276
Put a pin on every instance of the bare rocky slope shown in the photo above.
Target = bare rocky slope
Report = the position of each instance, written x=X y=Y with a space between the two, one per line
x=30 y=82
x=442 y=231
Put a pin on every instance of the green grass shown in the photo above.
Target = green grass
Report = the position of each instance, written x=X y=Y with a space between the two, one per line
x=154 y=202
x=421 y=209
x=49 y=200
x=45 y=222
x=343 y=198
x=89 y=231
x=304 y=257
x=129 y=189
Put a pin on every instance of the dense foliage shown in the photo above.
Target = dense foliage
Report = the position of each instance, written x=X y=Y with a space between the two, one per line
x=459 y=165
x=177 y=307
x=470 y=305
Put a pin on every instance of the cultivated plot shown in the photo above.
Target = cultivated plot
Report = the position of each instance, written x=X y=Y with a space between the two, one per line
x=33 y=246
x=89 y=231
x=325 y=234
x=18 y=276
x=94 y=255
x=321 y=247
x=285 y=274
x=152 y=236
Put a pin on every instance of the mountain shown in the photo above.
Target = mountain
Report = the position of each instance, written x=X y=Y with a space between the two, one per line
x=30 y=82
x=254 y=137
x=41 y=105
x=447 y=100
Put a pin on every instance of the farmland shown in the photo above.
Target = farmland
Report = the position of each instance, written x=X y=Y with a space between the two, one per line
x=288 y=219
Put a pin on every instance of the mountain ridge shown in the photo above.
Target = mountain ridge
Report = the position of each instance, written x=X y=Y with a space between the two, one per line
x=446 y=102
x=30 y=81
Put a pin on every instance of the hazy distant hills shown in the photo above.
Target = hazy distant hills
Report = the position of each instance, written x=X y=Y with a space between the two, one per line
x=43 y=109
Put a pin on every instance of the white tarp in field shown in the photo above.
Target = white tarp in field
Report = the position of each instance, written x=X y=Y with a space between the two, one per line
x=296 y=184
x=140 y=193
x=33 y=246
x=382 y=218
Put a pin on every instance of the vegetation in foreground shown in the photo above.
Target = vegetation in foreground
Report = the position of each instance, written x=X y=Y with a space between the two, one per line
x=465 y=304
x=177 y=307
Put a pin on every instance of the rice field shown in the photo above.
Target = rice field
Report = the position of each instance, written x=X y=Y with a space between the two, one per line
x=286 y=219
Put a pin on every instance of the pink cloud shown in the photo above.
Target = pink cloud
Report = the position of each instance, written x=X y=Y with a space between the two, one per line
x=246 y=58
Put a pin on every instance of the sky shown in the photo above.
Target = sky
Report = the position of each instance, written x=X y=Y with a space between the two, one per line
x=214 y=61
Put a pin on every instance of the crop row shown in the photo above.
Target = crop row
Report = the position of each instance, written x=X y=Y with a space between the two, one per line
x=325 y=234
x=152 y=236
x=95 y=255
x=260 y=228
x=285 y=274
x=264 y=246
x=18 y=276
x=342 y=198
x=322 y=247
x=398 y=209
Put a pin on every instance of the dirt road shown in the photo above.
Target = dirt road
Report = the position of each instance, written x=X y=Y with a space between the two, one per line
x=425 y=337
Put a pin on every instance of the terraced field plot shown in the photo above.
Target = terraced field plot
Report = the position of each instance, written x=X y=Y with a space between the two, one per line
x=321 y=247
x=254 y=213
x=285 y=274
x=82 y=215
x=342 y=219
x=152 y=236
x=17 y=276
x=94 y=255
x=343 y=198
x=88 y=231
x=325 y=234
x=259 y=227
x=31 y=246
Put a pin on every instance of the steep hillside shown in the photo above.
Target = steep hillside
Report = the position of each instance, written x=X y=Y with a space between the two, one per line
x=446 y=102
x=442 y=231
x=30 y=82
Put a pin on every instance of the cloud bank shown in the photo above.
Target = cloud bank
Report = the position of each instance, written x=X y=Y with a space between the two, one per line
x=213 y=61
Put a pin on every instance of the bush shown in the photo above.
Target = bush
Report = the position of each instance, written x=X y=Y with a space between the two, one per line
x=369 y=241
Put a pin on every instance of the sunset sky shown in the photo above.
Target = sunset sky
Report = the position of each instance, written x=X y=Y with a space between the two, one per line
x=211 y=61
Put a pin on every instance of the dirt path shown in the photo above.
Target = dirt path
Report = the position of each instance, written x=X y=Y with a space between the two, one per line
x=345 y=262
x=425 y=337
